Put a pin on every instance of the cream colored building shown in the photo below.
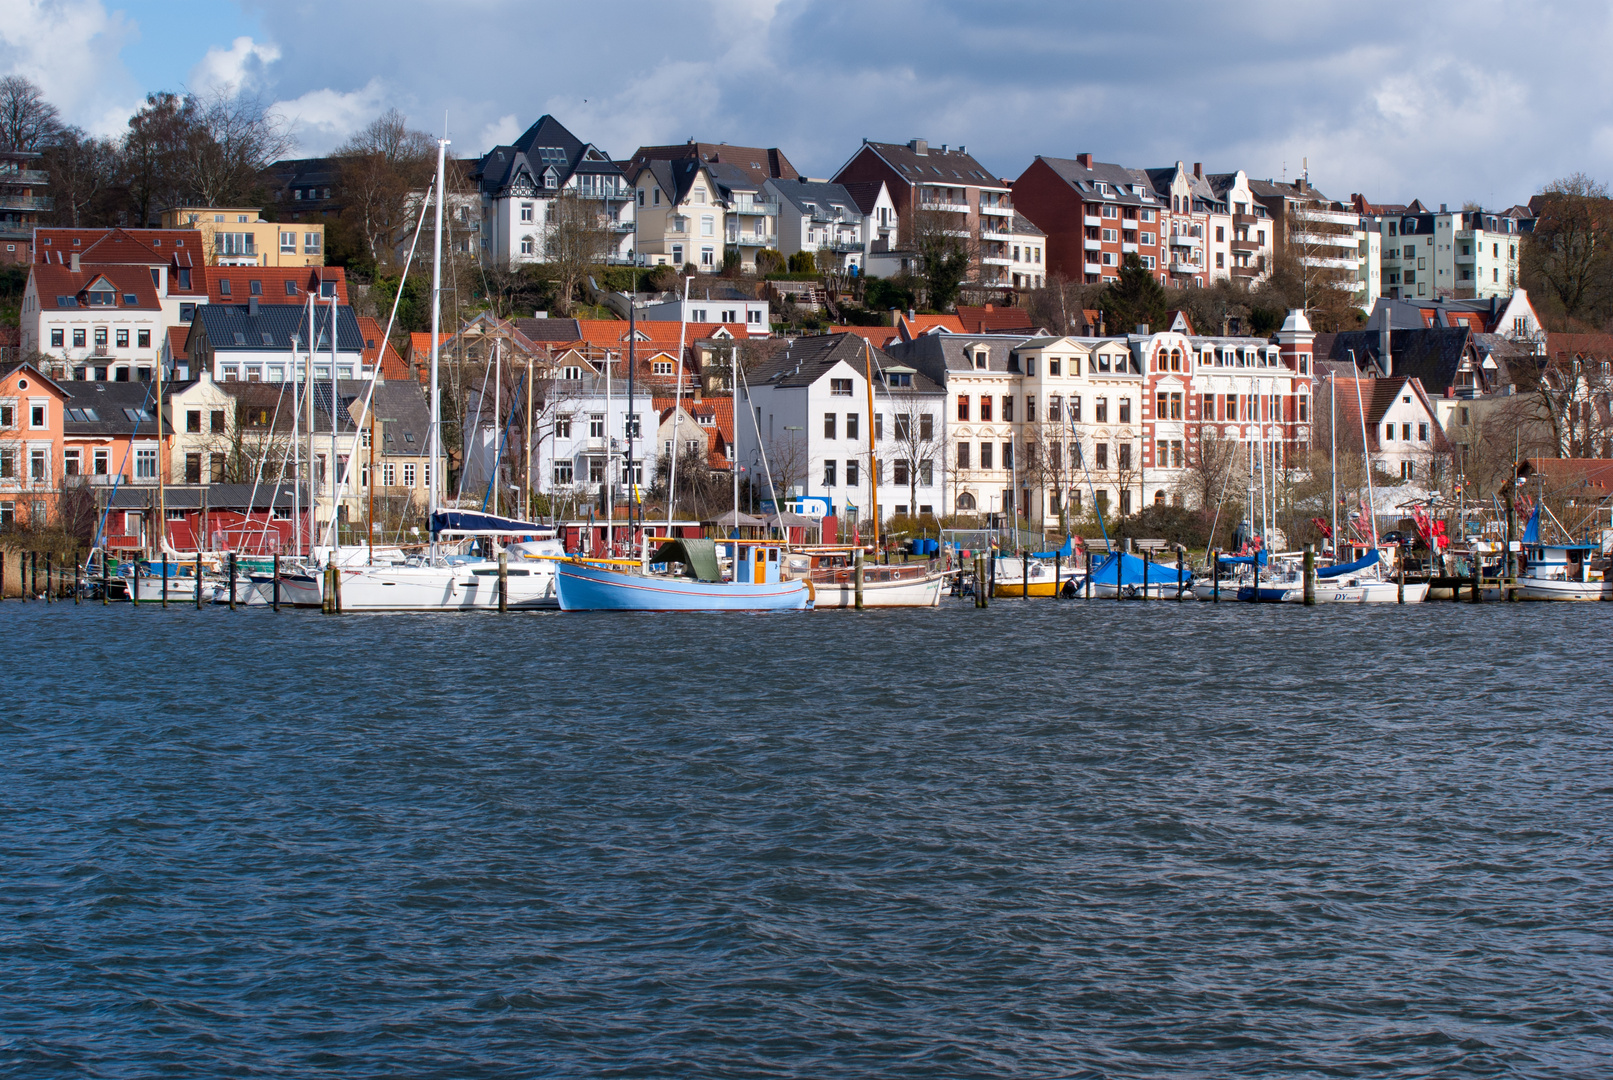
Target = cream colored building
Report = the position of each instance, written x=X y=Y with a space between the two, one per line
x=238 y=236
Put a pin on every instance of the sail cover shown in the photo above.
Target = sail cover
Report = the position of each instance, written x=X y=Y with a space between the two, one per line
x=1348 y=568
x=472 y=522
x=698 y=556
x=1131 y=571
x=1237 y=560
x=1531 y=531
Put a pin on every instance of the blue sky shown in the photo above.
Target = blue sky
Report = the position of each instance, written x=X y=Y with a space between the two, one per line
x=1446 y=100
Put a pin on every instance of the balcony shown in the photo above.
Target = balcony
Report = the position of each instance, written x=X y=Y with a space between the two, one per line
x=1245 y=271
x=1180 y=267
x=749 y=240
x=1092 y=220
x=25 y=176
x=1128 y=249
x=1326 y=263
x=1329 y=239
x=26 y=202
x=989 y=231
x=846 y=247
x=1240 y=220
x=949 y=208
x=1094 y=268
x=1245 y=246
x=16 y=230
x=1002 y=211
x=765 y=207
x=1092 y=245
x=995 y=260
x=1465 y=257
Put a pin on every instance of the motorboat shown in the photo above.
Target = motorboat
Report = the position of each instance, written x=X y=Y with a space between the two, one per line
x=1134 y=578
x=682 y=574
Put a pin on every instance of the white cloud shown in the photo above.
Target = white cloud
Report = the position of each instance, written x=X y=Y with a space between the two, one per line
x=235 y=69
x=501 y=132
x=322 y=119
x=70 y=49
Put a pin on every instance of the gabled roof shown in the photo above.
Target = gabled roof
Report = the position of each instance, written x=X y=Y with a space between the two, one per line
x=1125 y=186
x=548 y=146
x=178 y=346
x=1378 y=395
x=1024 y=226
x=541 y=330
x=32 y=372
x=757 y=164
x=803 y=361
x=60 y=288
x=144 y=247
x=993 y=319
x=115 y=408
x=1433 y=355
x=673 y=177
x=806 y=195
x=392 y=365
x=1586 y=346
x=613 y=332
x=865 y=193
x=936 y=165
x=231 y=326
x=272 y=282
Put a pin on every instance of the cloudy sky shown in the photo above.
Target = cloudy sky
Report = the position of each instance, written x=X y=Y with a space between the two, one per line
x=1444 y=100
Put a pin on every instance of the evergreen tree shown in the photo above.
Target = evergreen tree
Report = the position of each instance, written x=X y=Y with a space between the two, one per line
x=1135 y=297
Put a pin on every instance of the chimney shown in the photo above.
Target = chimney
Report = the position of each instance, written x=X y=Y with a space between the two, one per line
x=1299 y=184
x=75 y=262
x=961 y=149
x=1142 y=329
x=252 y=306
x=1084 y=160
x=1198 y=170
x=1385 y=360
x=1443 y=209
x=911 y=315
x=921 y=147
x=943 y=148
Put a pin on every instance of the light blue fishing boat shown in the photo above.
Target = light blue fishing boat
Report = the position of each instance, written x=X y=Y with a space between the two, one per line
x=690 y=581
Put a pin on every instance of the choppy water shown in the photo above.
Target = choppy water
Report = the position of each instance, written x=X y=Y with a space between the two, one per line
x=1047 y=839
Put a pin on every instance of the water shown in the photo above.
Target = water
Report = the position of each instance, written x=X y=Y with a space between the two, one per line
x=1047 y=839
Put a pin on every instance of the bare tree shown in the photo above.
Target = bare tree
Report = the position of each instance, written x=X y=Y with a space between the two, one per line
x=154 y=149
x=1310 y=242
x=946 y=253
x=27 y=120
x=381 y=170
x=917 y=450
x=83 y=178
x=1568 y=252
x=575 y=240
x=1211 y=466
x=232 y=139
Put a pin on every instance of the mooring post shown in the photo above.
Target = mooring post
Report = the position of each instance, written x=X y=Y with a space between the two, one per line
x=1310 y=575
x=1090 y=564
x=503 y=582
x=105 y=579
x=231 y=558
x=1147 y=558
x=1478 y=574
x=275 y=588
x=48 y=579
x=199 y=581
x=324 y=590
x=1400 y=580
x=335 y=589
x=165 y=581
x=1215 y=575
x=1025 y=572
x=77 y=566
x=1180 y=552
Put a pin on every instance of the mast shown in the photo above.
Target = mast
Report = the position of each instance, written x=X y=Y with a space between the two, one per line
x=162 y=475
x=1333 y=454
x=308 y=407
x=498 y=420
x=434 y=443
x=632 y=362
x=677 y=401
x=370 y=519
x=733 y=450
x=335 y=408
x=296 y=458
x=526 y=473
x=873 y=462
x=610 y=462
x=1366 y=458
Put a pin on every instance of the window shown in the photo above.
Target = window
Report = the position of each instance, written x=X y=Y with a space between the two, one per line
x=103 y=462
x=1422 y=431
x=632 y=427
x=829 y=473
x=900 y=470
x=707 y=225
x=288 y=243
x=926 y=474
x=143 y=339
x=926 y=427
x=962 y=455
x=1160 y=405
x=963 y=406
x=78 y=337
x=193 y=421
x=1100 y=410
x=677 y=252
x=193 y=468
x=1101 y=455
x=708 y=257
x=408 y=474
x=1176 y=454
x=8 y=463
x=985 y=455
x=563 y=472
x=1388 y=432
x=100 y=337
x=1408 y=470
x=879 y=426
x=1124 y=460
x=1075 y=408
x=526 y=247
x=1008 y=409
x=187 y=313
x=526 y=213
x=852 y=477
x=840 y=387
x=562 y=428
x=985 y=407
x=123 y=339
x=1176 y=407
x=38 y=416
x=851 y=425
x=234 y=243
x=389 y=475
x=57 y=338
x=145 y=464
x=1125 y=410
x=72 y=462
x=1304 y=409
x=596 y=425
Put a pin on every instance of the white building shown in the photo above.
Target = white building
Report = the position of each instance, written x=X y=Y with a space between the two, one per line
x=519 y=183
x=720 y=303
x=809 y=404
x=823 y=219
x=96 y=322
x=255 y=342
x=1455 y=254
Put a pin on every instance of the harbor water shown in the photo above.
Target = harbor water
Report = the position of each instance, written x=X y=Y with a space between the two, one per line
x=1046 y=839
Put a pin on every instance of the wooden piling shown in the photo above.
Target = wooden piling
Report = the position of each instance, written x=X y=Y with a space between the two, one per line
x=77 y=567
x=1146 y=560
x=1478 y=575
x=1090 y=564
x=105 y=578
x=1215 y=575
x=275 y=587
x=165 y=581
x=503 y=582
x=231 y=583
x=324 y=590
x=1310 y=575
x=1179 y=554
x=1058 y=592
x=336 y=589
x=199 y=582
x=48 y=579
x=1025 y=573
x=1400 y=581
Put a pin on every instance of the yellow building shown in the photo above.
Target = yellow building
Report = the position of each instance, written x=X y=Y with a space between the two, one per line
x=238 y=236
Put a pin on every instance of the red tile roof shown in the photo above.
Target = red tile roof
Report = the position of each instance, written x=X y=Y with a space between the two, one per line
x=392 y=365
x=147 y=247
x=612 y=333
x=179 y=342
x=1598 y=346
x=991 y=318
x=56 y=281
x=880 y=336
x=304 y=279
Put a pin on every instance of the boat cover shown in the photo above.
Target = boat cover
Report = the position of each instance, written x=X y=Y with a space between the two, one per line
x=1327 y=572
x=1241 y=560
x=1131 y=571
x=1065 y=552
x=697 y=554
x=470 y=521
x=1531 y=531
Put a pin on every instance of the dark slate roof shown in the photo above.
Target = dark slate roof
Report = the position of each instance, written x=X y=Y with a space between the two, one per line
x=805 y=194
x=937 y=354
x=405 y=417
x=1023 y=224
x=222 y=322
x=218 y=496
x=758 y=164
x=803 y=361
x=731 y=178
x=113 y=408
x=539 y=330
x=1274 y=189
x=1123 y=182
x=546 y=145
x=673 y=177
x=1432 y=355
x=865 y=193
x=935 y=166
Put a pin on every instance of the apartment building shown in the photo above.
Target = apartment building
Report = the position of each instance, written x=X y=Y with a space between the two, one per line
x=821 y=218
x=1094 y=214
x=238 y=236
x=22 y=200
x=33 y=410
x=174 y=258
x=946 y=181
x=260 y=342
x=101 y=322
x=519 y=183
x=1455 y=254
x=1324 y=236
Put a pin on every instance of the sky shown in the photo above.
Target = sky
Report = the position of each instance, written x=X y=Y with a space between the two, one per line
x=1449 y=101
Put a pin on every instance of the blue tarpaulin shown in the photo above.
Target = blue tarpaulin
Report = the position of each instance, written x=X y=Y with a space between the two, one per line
x=1531 y=531
x=1244 y=560
x=470 y=521
x=1348 y=568
x=1131 y=571
x=1064 y=552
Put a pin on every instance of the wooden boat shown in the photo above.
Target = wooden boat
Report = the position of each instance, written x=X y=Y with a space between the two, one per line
x=688 y=581
x=1009 y=576
x=832 y=572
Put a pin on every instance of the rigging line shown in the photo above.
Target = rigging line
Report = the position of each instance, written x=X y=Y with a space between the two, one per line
x=498 y=456
x=481 y=402
x=380 y=355
x=734 y=464
x=257 y=478
x=1220 y=502
x=1080 y=452
x=113 y=494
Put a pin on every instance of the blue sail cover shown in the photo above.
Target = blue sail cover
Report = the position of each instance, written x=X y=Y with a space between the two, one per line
x=1348 y=568
x=1244 y=560
x=1066 y=551
x=1531 y=531
x=1131 y=571
x=470 y=521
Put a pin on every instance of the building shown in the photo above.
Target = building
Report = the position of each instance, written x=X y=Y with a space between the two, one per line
x=1238 y=233
x=305 y=189
x=519 y=183
x=1324 y=237
x=812 y=421
x=22 y=200
x=173 y=257
x=720 y=303
x=946 y=182
x=1094 y=214
x=1404 y=437
x=113 y=435
x=1452 y=254
x=253 y=342
x=1025 y=266
x=33 y=415
x=102 y=322
x=694 y=212
x=238 y=236
x=825 y=220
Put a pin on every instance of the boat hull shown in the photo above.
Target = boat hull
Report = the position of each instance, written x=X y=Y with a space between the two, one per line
x=1166 y=590
x=1548 y=589
x=1368 y=592
x=594 y=588
x=445 y=588
x=148 y=589
x=912 y=592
